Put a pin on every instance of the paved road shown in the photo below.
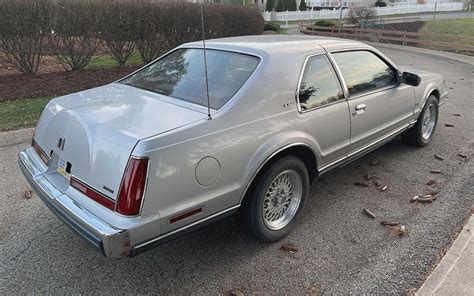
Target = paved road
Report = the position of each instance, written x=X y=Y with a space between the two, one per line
x=447 y=15
x=340 y=249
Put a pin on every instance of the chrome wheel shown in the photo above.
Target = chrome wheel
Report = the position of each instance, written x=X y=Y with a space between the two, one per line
x=429 y=122
x=282 y=199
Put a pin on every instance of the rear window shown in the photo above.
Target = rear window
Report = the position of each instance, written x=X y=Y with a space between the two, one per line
x=181 y=75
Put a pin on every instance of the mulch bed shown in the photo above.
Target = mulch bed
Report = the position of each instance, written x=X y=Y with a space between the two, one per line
x=19 y=86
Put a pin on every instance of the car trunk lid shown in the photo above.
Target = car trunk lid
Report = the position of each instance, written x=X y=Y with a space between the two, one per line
x=91 y=134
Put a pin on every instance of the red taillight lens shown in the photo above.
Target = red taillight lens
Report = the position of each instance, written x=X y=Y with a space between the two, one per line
x=133 y=187
x=44 y=157
x=92 y=194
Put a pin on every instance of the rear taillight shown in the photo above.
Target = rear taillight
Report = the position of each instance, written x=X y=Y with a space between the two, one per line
x=44 y=157
x=133 y=187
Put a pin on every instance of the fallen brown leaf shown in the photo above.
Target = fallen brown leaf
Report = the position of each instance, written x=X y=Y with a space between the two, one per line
x=426 y=199
x=27 y=194
x=369 y=213
x=457 y=114
x=414 y=198
x=462 y=155
x=313 y=289
x=384 y=188
x=438 y=157
x=435 y=171
x=389 y=223
x=368 y=177
x=289 y=248
x=377 y=183
x=402 y=230
x=359 y=183
x=431 y=182
x=374 y=162
x=449 y=125
x=234 y=292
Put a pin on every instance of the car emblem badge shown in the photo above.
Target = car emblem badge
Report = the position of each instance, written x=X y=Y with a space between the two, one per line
x=61 y=143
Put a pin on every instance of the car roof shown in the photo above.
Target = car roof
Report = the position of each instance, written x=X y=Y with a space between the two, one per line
x=272 y=43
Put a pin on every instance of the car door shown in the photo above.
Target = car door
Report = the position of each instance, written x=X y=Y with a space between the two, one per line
x=323 y=108
x=378 y=103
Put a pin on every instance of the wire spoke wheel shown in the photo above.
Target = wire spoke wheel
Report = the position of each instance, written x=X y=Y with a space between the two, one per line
x=429 y=122
x=282 y=199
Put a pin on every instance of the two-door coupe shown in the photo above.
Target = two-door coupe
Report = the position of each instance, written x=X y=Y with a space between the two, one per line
x=137 y=162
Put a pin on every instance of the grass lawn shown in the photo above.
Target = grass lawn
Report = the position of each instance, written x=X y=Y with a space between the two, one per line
x=21 y=113
x=452 y=26
x=283 y=31
x=107 y=61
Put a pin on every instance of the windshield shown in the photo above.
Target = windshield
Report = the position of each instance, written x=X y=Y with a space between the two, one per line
x=181 y=75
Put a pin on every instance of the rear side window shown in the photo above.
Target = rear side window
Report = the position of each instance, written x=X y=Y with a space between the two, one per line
x=181 y=75
x=364 y=71
x=319 y=85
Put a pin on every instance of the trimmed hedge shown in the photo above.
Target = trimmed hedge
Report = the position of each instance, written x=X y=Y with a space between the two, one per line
x=74 y=29
x=328 y=23
x=24 y=25
x=271 y=26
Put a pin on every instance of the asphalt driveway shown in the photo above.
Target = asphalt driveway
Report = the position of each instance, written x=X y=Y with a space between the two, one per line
x=340 y=249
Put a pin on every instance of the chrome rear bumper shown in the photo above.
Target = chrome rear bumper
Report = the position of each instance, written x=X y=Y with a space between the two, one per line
x=108 y=240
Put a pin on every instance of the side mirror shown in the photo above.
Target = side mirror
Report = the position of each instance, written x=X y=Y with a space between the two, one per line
x=411 y=79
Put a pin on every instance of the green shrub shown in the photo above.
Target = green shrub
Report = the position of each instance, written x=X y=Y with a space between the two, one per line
x=24 y=26
x=74 y=39
x=359 y=15
x=270 y=26
x=380 y=3
x=328 y=23
x=77 y=28
x=303 y=6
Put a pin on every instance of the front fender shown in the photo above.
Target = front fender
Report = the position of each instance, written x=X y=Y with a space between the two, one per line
x=429 y=84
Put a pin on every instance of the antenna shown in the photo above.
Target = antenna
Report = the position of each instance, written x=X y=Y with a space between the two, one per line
x=205 y=66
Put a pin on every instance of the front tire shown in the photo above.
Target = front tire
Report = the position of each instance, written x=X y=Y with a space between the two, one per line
x=420 y=135
x=272 y=209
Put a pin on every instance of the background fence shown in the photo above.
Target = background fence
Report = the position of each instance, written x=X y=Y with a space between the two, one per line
x=456 y=43
x=335 y=14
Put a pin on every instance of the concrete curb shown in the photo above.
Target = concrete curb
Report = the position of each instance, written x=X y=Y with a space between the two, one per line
x=450 y=266
x=424 y=51
x=16 y=137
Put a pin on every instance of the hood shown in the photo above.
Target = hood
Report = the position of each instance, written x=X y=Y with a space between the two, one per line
x=101 y=126
x=419 y=72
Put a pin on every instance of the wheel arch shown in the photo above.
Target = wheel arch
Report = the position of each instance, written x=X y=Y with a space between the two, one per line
x=301 y=150
x=432 y=91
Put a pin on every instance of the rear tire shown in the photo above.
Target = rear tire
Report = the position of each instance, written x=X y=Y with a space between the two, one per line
x=421 y=133
x=272 y=209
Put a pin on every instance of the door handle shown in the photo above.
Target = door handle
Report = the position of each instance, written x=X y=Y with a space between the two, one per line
x=361 y=107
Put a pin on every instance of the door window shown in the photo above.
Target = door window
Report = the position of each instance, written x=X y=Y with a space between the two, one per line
x=364 y=71
x=319 y=85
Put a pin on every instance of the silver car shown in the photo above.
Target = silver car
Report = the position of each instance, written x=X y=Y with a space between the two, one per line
x=168 y=148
